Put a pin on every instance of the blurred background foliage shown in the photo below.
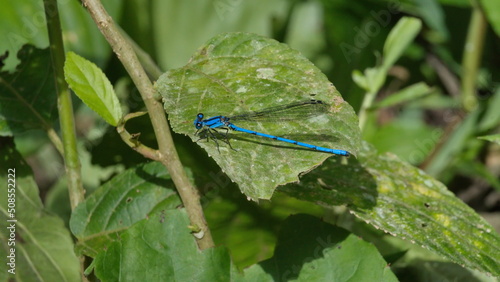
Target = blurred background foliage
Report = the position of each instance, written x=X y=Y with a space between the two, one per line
x=432 y=130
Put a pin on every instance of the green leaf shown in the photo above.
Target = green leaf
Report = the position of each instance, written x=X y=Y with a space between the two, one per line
x=492 y=138
x=408 y=137
x=23 y=22
x=375 y=78
x=407 y=94
x=92 y=86
x=492 y=10
x=43 y=246
x=241 y=72
x=405 y=202
x=454 y=145
x=433 y=15
x=311 y=250
x=399 y=38
x=491 y=117
x=360 y=80
x=161 y=248
x=119 y=203
x=27 y=97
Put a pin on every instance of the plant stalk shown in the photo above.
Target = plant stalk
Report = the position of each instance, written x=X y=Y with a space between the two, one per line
x=64 y=106
x=168 y=154
x=471 y=60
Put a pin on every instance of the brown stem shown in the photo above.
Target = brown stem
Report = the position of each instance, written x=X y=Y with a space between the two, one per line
x=168 y=155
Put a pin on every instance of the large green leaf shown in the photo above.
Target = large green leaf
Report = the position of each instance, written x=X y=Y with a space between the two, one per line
x=241 y=72
x=115 y=206
x=405 y=202
x=93 y=87
x=43 y=246
x=311 y=250
x=27 y=97
x=161 y=248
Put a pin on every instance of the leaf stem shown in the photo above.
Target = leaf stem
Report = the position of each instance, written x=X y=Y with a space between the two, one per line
x=365 y=106
x=473 y=50
x=65 y=107
x=132 y=140
x=168 y=154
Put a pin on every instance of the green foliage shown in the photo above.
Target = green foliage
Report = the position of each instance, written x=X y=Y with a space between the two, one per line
x=161 y=248
x=397 y=41
x=492 y=138
x=43 y=246
x=25 y=106
x=240 y=72
x=118 y=204
x=405 y=202
x=93 y=87
x=386 y=212
x=492 y=11
x=311 y=250
x=23 y=22
x=407 y=94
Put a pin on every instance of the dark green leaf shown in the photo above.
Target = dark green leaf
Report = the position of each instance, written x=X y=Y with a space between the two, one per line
x=28 y=97
x=115 y=206
x=161 y=248
x=311 y=250
x=491 y=117
x=23 y=22
x=240 y=72
x=405 y=202
x=43 y=246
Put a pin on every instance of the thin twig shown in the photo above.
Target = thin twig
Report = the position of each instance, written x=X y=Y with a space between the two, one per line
x=168 y=154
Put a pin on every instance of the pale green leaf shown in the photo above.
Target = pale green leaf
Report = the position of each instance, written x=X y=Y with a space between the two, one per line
x=492 y=10
x=92 y=86
x=241 y=72
x=407 y=94
x=360 y=80
x=399 y=38
x=492 y=138
x=375 y=78
x=405 y=202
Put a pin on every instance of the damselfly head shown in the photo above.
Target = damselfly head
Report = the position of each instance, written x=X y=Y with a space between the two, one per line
x=198 y=122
